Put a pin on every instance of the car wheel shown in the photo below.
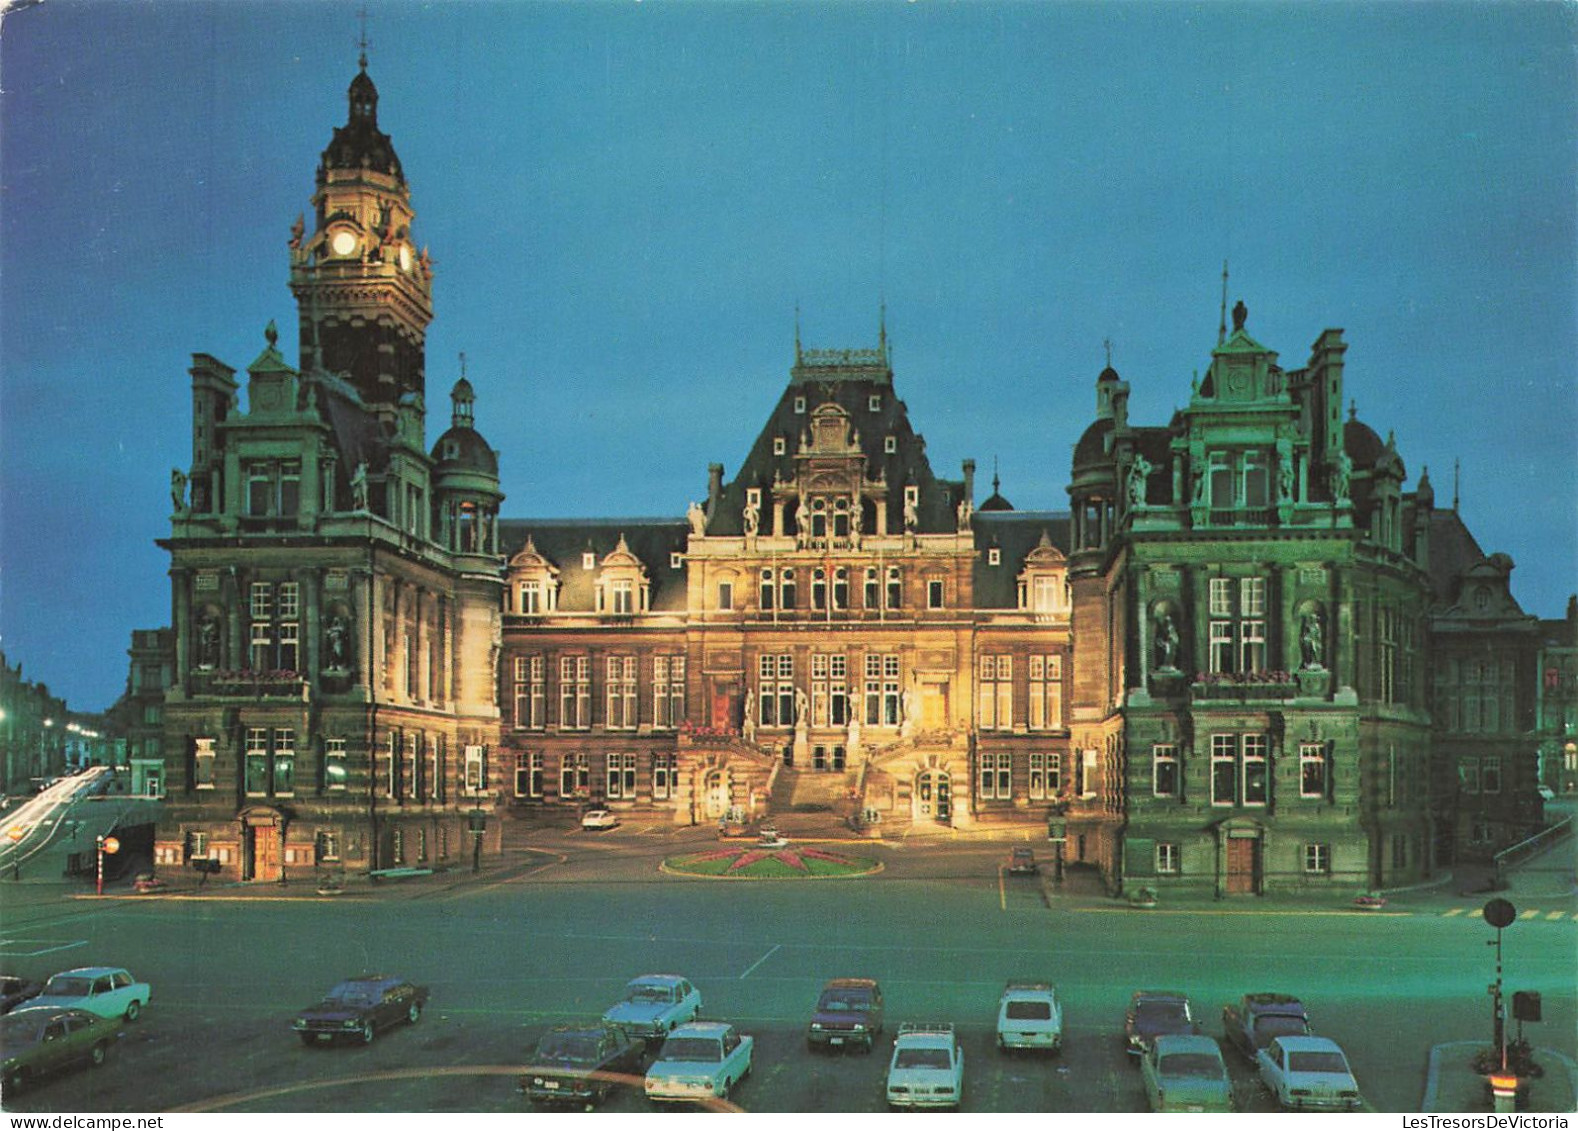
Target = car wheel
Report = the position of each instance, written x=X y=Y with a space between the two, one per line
x=414 y=1014
x=367 y=1032
x=98 y=1053
x=133 y=1008
x=307 y=1039
x=15 y=1081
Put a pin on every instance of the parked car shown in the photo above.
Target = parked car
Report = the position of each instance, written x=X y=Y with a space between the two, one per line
x=1185 y=1072
x=358 y=1008
x=848 y=1013
x=596 y=820
x=1029 y=1017
x=699 y=1060
x=581 y=1064
x=1308 y=1072
x=1022 y=861
x=1258 y=1018
x=927 y=1069
x=654 y=1005
x=105 y=991
x=15 y=990
x=1155 y=1013
x=36 y=1041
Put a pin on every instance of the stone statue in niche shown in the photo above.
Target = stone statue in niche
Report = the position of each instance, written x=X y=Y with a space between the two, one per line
x=1344 y=473
x=1138 y=473
x=208 y=642
x=964 y=512
x=911 y=516
x=802 y=519
x=752 y=516
x=1285 y=479
x=748 y=719
x=907 y=712
x=359 y=487
x=698 y=519
x=178 y=489
x=1312 y=640
x=337 y=642
x=1166 y=641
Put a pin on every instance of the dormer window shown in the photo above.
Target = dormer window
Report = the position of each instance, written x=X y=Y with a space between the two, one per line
x=799 y=405
x=890 y=444
x=874 y=402
x=780 y=445
x=623 y=588
x=588 y=560
x=994 y=556
x=533 y=588
x=1043 y=583
x=676 y=560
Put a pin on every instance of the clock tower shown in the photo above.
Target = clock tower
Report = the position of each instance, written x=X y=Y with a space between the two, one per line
x=363 y=290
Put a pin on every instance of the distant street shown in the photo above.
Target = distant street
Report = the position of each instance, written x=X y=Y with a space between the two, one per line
x=555 y=932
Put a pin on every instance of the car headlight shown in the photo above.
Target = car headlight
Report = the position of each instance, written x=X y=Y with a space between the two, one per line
x=858 y=1027
x=816 y=1026
x=349 y=1023
x=299 y=1023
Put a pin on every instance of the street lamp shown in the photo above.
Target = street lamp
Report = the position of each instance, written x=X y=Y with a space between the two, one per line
x=108 y=845
x=1057 y=833
x=477 y=822
x=16 y=833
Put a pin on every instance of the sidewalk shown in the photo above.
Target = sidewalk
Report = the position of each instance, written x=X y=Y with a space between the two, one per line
x=1452 y=1085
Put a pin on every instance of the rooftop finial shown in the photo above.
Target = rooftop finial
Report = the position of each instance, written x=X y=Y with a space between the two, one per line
x=1221 y=327
x=362 y=41
x=797 y=331
x=882 y=328
x=1457 y=466
x=994 y=475
x=1107 y=345
x=462 y=363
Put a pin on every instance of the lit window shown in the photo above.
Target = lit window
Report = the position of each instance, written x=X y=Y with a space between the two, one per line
x=1312 y=770
x=1317 y=859
x=1164 y=771
x=1168 y=859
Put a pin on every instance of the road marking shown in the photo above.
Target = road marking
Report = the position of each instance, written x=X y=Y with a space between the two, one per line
x=7 y=944
x=1002 y=891
x=760 y=960
x=1454 y=911
x=1556 y=914
x=1529 y=915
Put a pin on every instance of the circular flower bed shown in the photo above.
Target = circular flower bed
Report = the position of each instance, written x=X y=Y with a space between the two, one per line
x=751 y=862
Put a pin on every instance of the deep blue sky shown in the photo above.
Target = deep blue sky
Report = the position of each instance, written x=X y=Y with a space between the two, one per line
x=626 y=201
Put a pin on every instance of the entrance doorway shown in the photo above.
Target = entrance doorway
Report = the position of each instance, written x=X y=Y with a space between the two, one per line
x=262 y=855
x=715 y=795
x=934 y=797
x=1243 y=865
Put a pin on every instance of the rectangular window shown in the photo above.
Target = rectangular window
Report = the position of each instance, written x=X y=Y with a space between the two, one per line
x=621 y=783
x=476 y=771
x=1313 y=775
x=1386 y=634
x=334 y=765
x=529 y=776
x=768 y=591
x=775 y=691
x=996 y=693
x=1046 y=692
x=1168 y=859
x=873 y=594
x=1164 y=771
x=1257 y=786
x=819 y=590
x=1317 y=859
x=1224 y=769
x=725 y=595
x=575 y=692
x=1236 y=640
x=1087 y=773
x=840 y=589
x=786 y=598
x=891 y=695
x=934 y=594
x=895 y=596
x=621 y=693
x=408 y=764
x=664 y=775
x=1468 y=775
x=531 y=692
x=257 y=762
x=1490 y=774
x=284 y=763
x=203 y=764
x=994 y=778
x=1036 y=782
x=623 y=597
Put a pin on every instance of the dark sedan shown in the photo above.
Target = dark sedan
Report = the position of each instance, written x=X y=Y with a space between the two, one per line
x=580 y=1064
x=358 y=1008
x=14 y=991
x=1156 y=1013
x=37 y=1042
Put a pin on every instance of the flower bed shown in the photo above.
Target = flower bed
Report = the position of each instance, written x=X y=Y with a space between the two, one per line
x=755 y=863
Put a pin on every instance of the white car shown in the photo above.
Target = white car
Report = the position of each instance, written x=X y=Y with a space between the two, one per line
x=596 y=820
x=700 y=1060
x=1308 y=1072
x=105 y=991
x=927 y=1069
x=1029 y=1017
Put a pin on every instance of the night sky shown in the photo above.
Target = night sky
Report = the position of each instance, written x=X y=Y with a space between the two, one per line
x=626 y=202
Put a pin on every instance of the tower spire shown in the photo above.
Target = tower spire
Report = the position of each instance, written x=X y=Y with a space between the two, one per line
x=797 y=331
x=362 y=41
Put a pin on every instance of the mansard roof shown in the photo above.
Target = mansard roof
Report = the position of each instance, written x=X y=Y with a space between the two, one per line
x=563 y=542
x=1016 y=534
x=849 y=379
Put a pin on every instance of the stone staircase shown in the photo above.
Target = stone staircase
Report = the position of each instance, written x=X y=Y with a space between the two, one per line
x=820 y=794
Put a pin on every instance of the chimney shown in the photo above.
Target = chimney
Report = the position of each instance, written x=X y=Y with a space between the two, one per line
x=969 y=481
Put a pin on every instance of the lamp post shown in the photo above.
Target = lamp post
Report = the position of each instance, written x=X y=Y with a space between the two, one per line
x=1500 y=913
x=16 y=833
x=477 y=823
x=1057 y=833
x=107 y=845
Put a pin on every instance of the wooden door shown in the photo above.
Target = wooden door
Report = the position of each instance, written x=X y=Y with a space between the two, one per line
x=1243 y=865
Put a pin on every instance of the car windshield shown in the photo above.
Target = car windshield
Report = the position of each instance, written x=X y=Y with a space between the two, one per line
x=1161 y=1013
x=352 y=993
x=703 y=1049
x=1280 y=1025
x=1029 y=1011
x=657 y=994
x=922 y=1058
x=1317 y=1062
x=567 y=1046
x=68 y=987
x=17 y=1029
x=844 y=1001
x=1189 y=1064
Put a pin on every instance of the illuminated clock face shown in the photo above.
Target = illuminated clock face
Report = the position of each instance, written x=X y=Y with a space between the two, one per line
x=342 y=243
x=405 y=257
